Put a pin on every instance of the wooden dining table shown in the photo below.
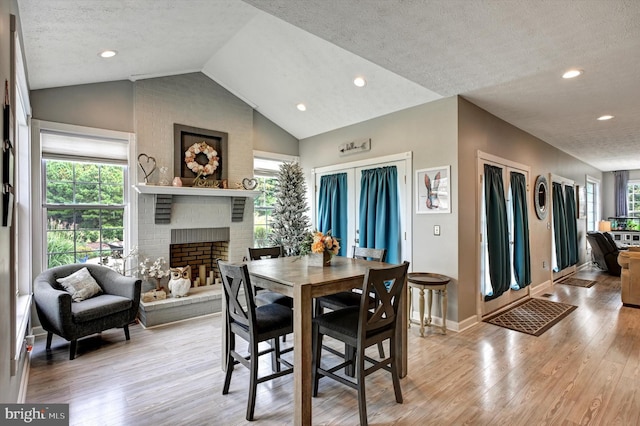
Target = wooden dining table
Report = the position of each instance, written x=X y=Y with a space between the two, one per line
x=295 y=277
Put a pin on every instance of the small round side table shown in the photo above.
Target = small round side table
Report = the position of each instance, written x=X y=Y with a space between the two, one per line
x=429 y=281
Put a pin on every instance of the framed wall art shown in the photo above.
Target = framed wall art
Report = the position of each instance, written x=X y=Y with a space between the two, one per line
x=433 y=190
x=199 y=152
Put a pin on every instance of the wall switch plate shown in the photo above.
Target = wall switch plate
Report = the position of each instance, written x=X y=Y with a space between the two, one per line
x=436 y=229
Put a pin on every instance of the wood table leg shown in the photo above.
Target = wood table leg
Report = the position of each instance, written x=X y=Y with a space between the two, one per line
x=444 y=309
x=302 y=377
x=402 y=358
x=410 y=303
x=429 y=303
x=421 y=312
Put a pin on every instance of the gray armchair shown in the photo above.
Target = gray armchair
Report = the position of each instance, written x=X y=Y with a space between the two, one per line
x=116 y=306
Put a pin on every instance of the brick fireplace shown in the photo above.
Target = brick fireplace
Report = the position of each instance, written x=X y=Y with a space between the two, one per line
x=188 y=248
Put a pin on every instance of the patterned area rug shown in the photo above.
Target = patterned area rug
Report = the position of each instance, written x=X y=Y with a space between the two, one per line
x=534 y=316
x=577 y=282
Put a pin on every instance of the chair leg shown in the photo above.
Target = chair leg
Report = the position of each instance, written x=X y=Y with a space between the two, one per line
x=275 y=355
x=394 y=373
x=253 y=381
x=316 y=354
x=360 y=379
x=72 y=349
x=126 y=332
x=231 y=346
x=350 y=355
x=49 y=337
x=380 y=350
x=317 y=308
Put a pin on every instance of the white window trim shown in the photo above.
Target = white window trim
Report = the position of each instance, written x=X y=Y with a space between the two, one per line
x=597 y=200
x=631 y=182
x=39 y=219
x=276 y=157
x=21 y=289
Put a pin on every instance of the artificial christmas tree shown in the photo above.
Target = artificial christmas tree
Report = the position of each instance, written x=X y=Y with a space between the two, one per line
x=290 y=214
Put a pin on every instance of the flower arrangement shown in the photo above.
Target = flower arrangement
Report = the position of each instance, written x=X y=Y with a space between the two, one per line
x=157 y=269
x=118 y=262
x=197 y=168
x=325 y=243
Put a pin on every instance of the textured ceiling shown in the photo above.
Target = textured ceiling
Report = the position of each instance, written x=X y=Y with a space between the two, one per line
x=505 y=56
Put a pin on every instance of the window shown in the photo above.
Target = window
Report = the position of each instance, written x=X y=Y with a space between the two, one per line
x=633 y=198
x=265 y=169
x=593 y=203
x=85 y=208
x=87 y=213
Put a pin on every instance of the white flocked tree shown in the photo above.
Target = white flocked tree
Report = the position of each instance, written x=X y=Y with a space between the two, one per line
x=290 y=214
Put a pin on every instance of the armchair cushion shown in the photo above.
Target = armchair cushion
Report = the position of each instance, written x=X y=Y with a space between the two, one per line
x=98 y=307
x=80 y=285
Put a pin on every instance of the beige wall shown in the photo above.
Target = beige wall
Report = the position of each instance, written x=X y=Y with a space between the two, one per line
x=267 y=136
x=192 y=100
x=430 y=131
x=479 y=130
x=100 y=105
x=450 y=132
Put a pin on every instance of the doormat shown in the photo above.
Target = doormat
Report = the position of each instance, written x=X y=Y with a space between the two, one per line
x=534 y=316
x=577 y=282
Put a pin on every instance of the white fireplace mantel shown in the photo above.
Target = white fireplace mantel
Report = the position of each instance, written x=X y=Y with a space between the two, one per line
x=164 y=198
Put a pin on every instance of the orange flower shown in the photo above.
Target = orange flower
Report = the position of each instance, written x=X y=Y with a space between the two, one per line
x=322 y=243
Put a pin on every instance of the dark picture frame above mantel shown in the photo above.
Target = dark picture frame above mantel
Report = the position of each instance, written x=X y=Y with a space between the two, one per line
x=185 y=137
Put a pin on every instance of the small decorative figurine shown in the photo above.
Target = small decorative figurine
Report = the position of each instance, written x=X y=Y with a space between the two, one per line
x=179 y=284
x=148 y=166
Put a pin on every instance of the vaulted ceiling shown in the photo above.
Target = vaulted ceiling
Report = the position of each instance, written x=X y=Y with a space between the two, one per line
x=505 y=56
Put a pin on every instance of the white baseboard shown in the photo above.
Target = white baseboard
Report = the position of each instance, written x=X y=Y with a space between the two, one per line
x=467 y=323
x=24 y=380
x=542 y=288
x=38 y=331
x=451 y=325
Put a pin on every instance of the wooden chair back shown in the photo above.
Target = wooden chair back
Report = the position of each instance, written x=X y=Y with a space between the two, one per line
x=387 y=284
x=239 y=295
x=377 y=255
x=265 y=252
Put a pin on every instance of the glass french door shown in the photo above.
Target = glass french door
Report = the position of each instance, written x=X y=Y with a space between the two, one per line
x=488 y=302
x=354 y=174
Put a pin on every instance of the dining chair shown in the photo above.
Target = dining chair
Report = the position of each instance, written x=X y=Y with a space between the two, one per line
x=263 y=296
x=359 y=327
x=254 y=324
x=346 y=299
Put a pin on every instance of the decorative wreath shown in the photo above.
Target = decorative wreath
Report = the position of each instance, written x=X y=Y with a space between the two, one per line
x=204 y=169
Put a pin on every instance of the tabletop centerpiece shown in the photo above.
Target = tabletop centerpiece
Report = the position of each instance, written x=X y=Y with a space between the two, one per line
x=320 y=248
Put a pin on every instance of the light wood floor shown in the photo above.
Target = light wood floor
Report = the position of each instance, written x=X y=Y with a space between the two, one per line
x=584 y=370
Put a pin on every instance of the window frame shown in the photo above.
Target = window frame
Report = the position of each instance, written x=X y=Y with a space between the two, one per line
x=636 y=199
x=593 y=206
x=267 y=174
x=82 y=207
x=39 y=217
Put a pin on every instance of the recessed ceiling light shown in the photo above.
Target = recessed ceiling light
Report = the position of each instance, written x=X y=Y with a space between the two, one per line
x=108 y=53
x=359 y=81
x=572 y=73
x=301 y=107
x=605 y=117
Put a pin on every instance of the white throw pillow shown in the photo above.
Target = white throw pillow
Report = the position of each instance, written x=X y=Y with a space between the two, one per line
x=81 y=285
